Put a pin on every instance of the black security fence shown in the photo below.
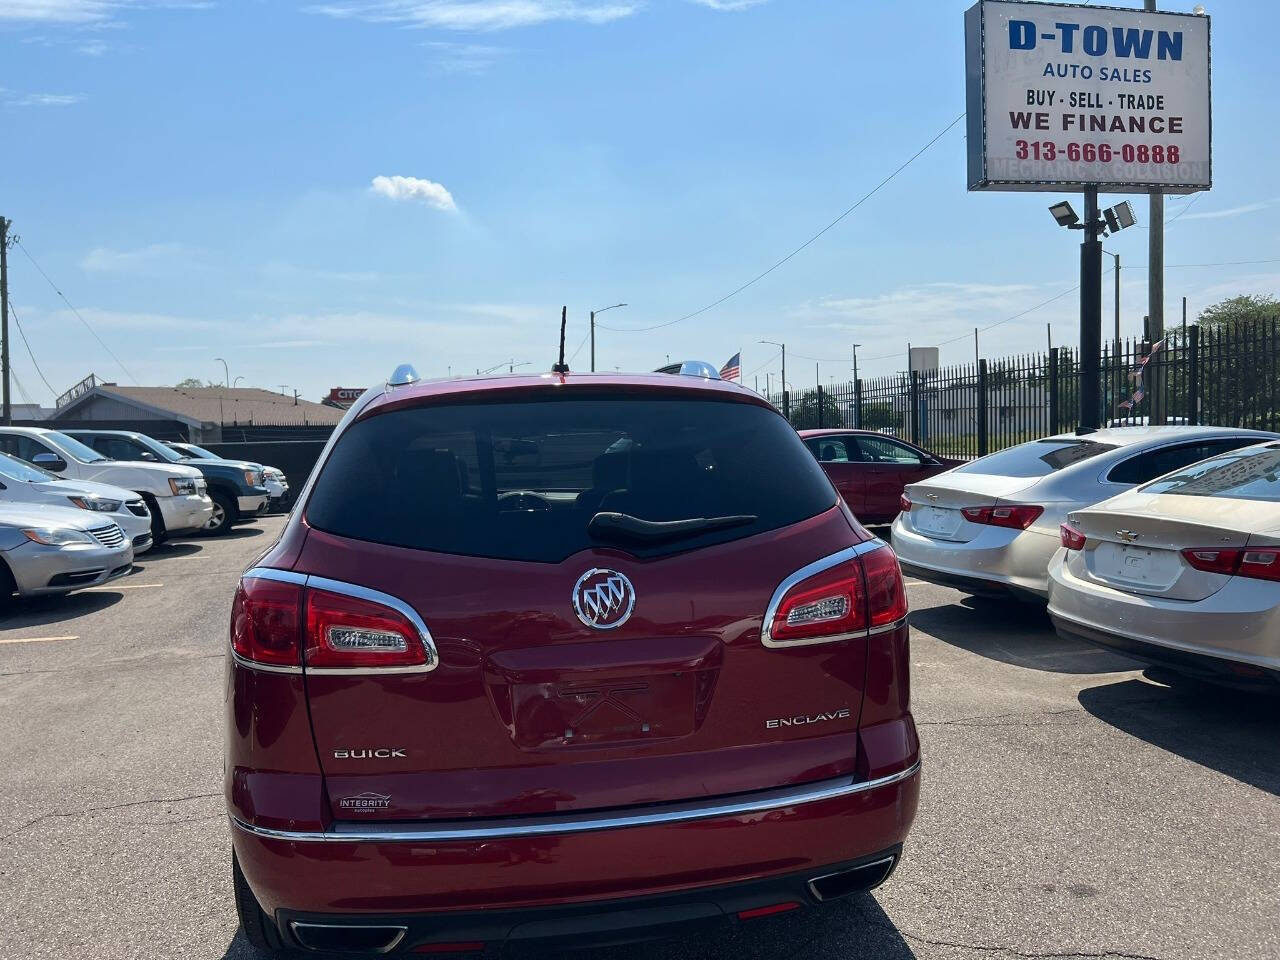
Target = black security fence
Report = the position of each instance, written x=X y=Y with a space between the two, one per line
x=1228 y=376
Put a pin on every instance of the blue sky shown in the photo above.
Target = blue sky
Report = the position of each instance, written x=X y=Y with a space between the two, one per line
x=317 y=191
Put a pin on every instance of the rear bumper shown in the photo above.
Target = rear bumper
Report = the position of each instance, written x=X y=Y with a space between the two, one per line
x=997 y=562
x=603 y=923
x=742 y=839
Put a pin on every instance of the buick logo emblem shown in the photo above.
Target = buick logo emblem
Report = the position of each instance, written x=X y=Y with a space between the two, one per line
x=603 y=599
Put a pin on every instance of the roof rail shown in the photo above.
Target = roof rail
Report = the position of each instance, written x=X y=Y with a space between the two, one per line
x=691 y=368
x=403 y=376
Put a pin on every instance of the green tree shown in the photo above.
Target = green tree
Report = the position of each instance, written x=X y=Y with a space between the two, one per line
x=804 y=411
x=1238 y=385
x=193 y=383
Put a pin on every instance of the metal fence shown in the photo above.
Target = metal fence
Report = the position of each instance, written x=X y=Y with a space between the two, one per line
x=1228 y=376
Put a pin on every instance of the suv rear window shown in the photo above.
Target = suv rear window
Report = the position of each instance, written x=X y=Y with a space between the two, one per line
x=1036 y=459
x=521 y=481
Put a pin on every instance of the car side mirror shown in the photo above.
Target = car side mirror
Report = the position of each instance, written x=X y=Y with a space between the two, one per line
x=148 y=456
x=50 y=461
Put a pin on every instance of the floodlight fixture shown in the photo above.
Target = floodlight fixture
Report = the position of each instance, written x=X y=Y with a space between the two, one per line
x=1064 y=214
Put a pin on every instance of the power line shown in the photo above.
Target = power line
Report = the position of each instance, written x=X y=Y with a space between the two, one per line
x=54 y=286
x=756 y=279
x=27 y=344
x=763 y=365
x=581 y=345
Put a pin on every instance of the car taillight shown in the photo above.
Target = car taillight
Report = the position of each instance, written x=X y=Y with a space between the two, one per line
x=1212 y=559
x=904 y=504
x=1015 y=517
x=266 y=620
x=848 y=598
x=1260 y=565
x=1072 y=538
x=346 y=633
x=1254 y=564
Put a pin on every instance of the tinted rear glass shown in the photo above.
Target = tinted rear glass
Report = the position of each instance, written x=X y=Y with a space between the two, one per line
x=521 y=481
x=1244 y=475
x=1036 y=459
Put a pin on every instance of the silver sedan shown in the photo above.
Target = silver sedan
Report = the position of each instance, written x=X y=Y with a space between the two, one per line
x=58 y=549
x=1183 y=572
x=990 y=527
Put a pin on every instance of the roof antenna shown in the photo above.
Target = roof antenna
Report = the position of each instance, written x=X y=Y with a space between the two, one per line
x=562 y=367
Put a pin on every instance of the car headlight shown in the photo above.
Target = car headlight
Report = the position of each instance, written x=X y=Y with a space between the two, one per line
x=252 y=478
x=96 y=504
x=57 y=536
x=273 y=474
x=183 y=486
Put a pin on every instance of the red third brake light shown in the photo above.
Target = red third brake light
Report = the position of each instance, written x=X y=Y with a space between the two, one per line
x=1017 y=517
x=265 y=617
x=861 y=593
x=346 y=632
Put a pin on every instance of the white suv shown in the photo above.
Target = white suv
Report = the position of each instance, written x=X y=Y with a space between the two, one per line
x=175 y=494
x=22 y=483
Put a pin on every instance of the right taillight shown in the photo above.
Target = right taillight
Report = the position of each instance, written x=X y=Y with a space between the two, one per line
x=848 y=598
x=1254 y=564
x=1071 y=538
x=266 y=622
x=1016 y=517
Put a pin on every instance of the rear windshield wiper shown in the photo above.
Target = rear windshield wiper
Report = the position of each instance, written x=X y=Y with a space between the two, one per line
x=623 y=526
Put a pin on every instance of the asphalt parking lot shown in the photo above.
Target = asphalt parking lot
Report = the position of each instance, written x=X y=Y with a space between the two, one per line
x=1071 y=805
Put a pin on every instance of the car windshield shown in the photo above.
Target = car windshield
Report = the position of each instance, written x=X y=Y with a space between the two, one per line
x=160 y=450
x=14 y=469
x=1037 y=459
x=73 y=448
x=1248 y=474
x=541 y=481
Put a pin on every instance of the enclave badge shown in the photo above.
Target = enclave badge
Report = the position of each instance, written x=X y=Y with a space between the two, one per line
x=603 y=599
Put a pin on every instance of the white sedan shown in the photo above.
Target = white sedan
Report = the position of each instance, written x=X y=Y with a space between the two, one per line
x=1183 y=572
x=990 y=527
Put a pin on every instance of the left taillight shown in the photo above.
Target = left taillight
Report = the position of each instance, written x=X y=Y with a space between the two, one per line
x=350 y=633
x=847 y=599
x=266 y=622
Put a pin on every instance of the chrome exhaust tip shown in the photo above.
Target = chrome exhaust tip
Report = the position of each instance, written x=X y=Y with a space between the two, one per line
x=347 y=938
x=843 y=883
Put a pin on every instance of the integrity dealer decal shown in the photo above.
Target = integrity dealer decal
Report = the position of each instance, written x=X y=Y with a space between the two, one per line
x=1062 y=95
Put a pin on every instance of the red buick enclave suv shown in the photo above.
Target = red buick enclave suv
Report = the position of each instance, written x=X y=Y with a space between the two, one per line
x=592 y=657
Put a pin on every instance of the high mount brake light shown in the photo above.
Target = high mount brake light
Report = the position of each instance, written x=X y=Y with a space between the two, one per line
x=849 y=598
x=1017 y=517
x=1253 y=564
x=1071 y=538
x=279 y=623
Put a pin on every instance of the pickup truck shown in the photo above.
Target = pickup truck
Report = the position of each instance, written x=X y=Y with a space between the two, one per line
x=235 y=487
x=176 y=495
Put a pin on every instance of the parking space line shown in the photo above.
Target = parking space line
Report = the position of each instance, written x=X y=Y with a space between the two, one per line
x=110 y=587
x=915 y=583
x=34 y=639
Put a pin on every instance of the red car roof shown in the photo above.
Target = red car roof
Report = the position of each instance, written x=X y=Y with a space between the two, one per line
x=533 y=386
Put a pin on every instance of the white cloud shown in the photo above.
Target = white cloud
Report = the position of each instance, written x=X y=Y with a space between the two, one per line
x=468 y=58
x=728 y=5
x=479 y=14
x=142 y=260
x=1230 y=211
x=413 y=188
x=83 y=12
x=12 y=98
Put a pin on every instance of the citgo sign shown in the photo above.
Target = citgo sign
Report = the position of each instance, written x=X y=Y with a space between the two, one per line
x=1061 y=95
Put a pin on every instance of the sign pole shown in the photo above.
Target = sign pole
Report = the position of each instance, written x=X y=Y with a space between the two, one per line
x=1155 y=285
x=1090 y=313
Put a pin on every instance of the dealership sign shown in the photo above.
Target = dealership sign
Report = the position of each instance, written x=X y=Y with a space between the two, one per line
x=343 y=396
x=1061 y=95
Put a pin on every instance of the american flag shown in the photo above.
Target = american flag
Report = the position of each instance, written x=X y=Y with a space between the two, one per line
x=732 y=370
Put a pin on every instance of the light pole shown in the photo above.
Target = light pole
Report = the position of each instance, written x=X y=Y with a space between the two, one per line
x=235 y=381
x=593 y=331
x=857 y=391
x=226 y=373
x=786 y=405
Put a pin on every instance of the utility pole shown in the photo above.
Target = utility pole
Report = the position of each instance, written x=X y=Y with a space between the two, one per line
x=1155 y=286
x=593 y=332
x=6 y=411
x=1090 y=313
x=857 y=391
